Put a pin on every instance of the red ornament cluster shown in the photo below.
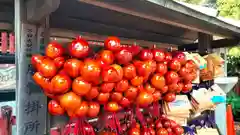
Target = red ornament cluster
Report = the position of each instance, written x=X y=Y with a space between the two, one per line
x=160 y=126
x=78 y=81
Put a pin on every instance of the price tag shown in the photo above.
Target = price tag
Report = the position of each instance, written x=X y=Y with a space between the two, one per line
x=207 y=131
x=7 y=76
x=31 y=101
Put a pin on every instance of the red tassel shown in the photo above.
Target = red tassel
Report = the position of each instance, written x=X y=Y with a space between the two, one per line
x=111 y=122
x=68 y=130
x=92 y=132
x=132 y=120
x=156 y=108
x=117 y=122
x=76 y=126
x=82 y=127
x=84 y=131
x=69 y=127
x=140 y=116
x=114 y=124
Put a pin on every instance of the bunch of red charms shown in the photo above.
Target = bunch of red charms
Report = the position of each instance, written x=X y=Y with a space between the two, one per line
x=79 y=80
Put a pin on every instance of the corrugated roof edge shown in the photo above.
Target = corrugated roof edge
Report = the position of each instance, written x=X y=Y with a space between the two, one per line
x=211 y=12
x=203 y=9
x=175 y=6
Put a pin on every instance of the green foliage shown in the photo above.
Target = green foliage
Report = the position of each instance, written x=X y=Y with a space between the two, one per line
x=234 y=51
x=229 y=8
x=234 y=99
x=192 y=1
x=233 y=65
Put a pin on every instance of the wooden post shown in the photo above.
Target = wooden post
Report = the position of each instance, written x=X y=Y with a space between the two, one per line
x=204 y=43
x=204 y=47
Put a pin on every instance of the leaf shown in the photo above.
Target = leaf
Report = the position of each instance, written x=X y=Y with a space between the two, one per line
x=234 y=51
x=229 y=8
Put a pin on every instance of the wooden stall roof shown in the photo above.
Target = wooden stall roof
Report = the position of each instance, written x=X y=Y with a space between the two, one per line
x=163 y=21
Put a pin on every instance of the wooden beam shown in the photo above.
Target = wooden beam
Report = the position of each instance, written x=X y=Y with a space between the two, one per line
x=68 y=35
x=214 y=44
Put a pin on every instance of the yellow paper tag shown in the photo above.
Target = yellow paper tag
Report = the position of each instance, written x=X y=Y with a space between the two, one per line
x=207 y=131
